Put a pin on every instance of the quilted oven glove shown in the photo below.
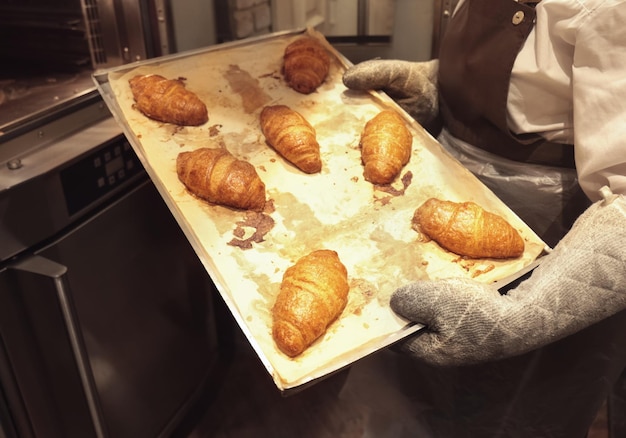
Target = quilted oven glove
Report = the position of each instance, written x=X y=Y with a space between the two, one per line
x=412 y=85
x=581 y=282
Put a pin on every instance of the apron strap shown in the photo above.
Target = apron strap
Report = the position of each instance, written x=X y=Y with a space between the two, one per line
x=478 y=51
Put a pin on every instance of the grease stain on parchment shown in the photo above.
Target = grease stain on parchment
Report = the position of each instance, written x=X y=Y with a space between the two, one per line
x=401 y=262
x=260 y=223
x=247 y=87
x=395 y=189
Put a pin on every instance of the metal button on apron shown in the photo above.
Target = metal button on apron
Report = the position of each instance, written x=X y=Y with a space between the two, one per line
x=518 y=17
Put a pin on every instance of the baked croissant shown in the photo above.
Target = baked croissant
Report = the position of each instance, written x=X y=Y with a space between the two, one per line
x=313 y=293
x=218 y=177
x=385 y=147
x=292 y=136
x=305 y=64
x=467 y=229
x=167 y=100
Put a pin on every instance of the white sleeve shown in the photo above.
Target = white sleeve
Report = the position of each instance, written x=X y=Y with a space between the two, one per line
x=599 y=105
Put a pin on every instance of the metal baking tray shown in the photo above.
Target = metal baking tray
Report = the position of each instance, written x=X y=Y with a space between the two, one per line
x=370 y=227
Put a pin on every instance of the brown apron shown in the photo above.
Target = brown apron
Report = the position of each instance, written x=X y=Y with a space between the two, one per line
x=476 y=59
x=552 y=392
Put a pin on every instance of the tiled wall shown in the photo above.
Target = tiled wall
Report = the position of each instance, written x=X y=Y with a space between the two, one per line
x=244 y=18
x=412 y=26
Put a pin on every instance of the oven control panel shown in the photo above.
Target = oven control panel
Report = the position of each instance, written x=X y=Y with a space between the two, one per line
x=101 y=172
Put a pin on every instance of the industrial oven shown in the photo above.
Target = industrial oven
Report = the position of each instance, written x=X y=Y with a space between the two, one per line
x=108 y=324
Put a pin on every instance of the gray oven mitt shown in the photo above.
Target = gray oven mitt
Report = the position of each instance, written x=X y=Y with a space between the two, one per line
x=581 y=282
x=412 y=85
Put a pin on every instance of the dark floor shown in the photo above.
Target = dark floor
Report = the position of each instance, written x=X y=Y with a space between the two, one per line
x=599 y=428
x=250 y=405
x=256 y=407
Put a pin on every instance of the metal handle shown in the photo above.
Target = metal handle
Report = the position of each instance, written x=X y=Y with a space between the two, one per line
x=58 y=274
x=163 y=25
x=363 y=13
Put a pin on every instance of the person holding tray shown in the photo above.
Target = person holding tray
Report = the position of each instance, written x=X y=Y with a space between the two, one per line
x=531 y=97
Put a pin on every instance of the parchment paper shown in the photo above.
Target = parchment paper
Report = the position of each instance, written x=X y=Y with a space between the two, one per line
x=368 y=226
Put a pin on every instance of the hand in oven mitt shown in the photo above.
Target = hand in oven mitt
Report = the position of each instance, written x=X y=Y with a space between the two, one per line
x=581 y=282
x=413 y=85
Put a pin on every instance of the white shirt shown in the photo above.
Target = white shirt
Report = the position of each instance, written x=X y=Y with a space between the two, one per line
x=569 y=84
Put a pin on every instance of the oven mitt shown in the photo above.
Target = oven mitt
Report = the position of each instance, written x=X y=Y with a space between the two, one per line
x=581 y=282
x=412 y=85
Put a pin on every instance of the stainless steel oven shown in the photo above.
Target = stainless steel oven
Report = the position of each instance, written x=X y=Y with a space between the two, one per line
x=96 y=34
x=108 y=320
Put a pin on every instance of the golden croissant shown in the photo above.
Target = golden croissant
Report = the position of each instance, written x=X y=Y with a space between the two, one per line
x=305 y=64
x=467 y=229
x=167 y=100
x=313 y=293
x=292 y=136
x=385 y=147
x=218 y=177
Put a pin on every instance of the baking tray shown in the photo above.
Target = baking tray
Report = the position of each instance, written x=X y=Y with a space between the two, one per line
x=370 y=227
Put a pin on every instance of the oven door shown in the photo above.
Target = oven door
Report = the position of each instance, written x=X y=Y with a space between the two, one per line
x=109 y=330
